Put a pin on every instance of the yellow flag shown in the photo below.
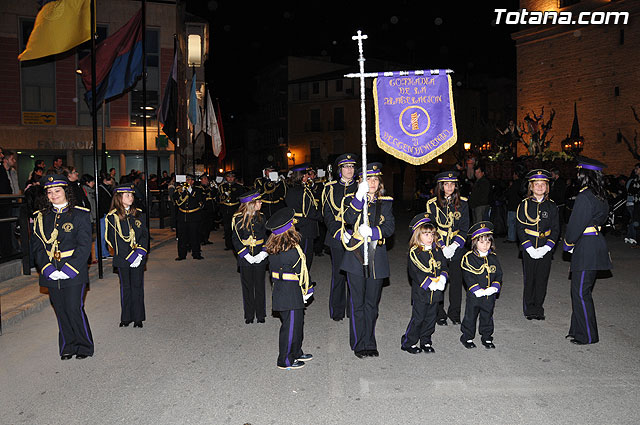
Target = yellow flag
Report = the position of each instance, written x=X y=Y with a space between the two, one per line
x=60 y=26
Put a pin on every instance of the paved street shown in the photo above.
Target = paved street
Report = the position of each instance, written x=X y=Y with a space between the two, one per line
x=196 y=362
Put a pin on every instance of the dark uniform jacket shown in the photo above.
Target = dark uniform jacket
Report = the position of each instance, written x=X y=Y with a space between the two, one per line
x=301 y=199
x=117 y=234
x=383 y=228
x=273 y=194
x=189 y=205
x=537 y=223
x=452 y=223
x=207 y=205
x=285 y=270
x=249 y=240
x=583 y=233
x=333 y=209
x=424 y=266
x=62 y=241
x=230 y=194
x=481 y=272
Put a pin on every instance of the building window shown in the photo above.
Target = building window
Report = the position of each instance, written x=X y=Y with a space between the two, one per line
x=567 y=3
x=84 y=110
x=339 y=85
x=338 y=119
x=616 y=91
x=316 y=125
x=316 y=88
x=622 y=36
x=316 y=156
x=153 y=83
x=338 y=146
x=38 y=77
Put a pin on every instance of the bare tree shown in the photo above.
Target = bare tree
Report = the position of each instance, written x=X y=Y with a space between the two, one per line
x=632 y=146
x=537 y=131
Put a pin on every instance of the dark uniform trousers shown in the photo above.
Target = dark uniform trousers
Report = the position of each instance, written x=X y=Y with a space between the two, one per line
x=475 y=307
x=132 y=293
x=291 y=336
x=455 y=289
x=188 y=231
x=584 y=327
x=253 y=292
x=227 y=216
x=536 y=277
x=424 y=311
x=363 y=302
x=75 y=333
x=307 y=247
x=338 y=294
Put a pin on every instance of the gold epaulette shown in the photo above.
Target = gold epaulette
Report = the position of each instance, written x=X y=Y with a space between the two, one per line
x=432 y=201
x=462 y=198
x=385 y=198
x=331 y=182
x=38 y=212
x=139 y=209
x=112 y=212
x=82 y=208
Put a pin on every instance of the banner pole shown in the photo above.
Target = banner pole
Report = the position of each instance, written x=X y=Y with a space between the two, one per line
x=94 y=124
x=363 y=133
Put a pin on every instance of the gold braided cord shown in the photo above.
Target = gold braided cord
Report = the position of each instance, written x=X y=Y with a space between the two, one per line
x=433 y=264
x=465 y=265
x=356 y=234
x=448 y=224
x=530 y=221
x=303 y=276
x=51 y=240
x=182 y=199
x=130 y=239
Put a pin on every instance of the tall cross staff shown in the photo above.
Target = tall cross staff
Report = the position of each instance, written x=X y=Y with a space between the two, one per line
x=363 y=133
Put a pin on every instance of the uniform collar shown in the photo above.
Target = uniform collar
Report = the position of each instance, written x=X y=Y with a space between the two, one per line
x=60 y=210
x=345 y=183
x=534 y=199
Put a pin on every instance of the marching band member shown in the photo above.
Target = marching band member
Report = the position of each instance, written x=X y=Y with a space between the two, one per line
x=272 y=193
x=483 y=277
x=248 y=237
x=301 y=199
x=365 y=283
x=291 y=287
x=189 y=200
x=61 y=245
x=590 y=252
x=230 y=191
x=333 y=196
x=427 y=269
x=127 y=235
x=208 y=210
x=538 y=228
x=450 y=213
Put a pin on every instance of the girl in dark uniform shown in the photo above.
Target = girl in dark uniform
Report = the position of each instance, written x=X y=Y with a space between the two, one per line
x=427 y=268
x=538 y=228
x=291 y=288
x=127 y=235
x=584 y=239
x=365 y=283
x=61 y=245
x=482 y=275
x=450 y=213
x=248 y=236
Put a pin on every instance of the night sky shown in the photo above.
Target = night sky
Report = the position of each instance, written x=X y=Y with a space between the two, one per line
x=422 y=34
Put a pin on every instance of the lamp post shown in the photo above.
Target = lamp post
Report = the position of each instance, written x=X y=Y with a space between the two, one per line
x=291 y=156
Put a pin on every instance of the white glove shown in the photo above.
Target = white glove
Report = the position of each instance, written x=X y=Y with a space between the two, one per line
x=305 y=298
x=491 y=290
x=62 y=275
x=533 y=253
x=442 y=281
x=250 y=258
x=260 y=257
x=365 y=231
x=363 y=189
x=54 y=275
x=137 y=261
x=543 y=250
x=433 y=286
x=480 y=293
x=449 y=250
x=570 y=251
x=346 y=237
x=453 y=247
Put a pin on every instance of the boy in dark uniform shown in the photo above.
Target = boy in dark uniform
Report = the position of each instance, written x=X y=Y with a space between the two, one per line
x=333 y=196
x=189 y=201
x=207 y=210
x=230 y=191
x=584 y=239
x=483 y=277
x=272 y=193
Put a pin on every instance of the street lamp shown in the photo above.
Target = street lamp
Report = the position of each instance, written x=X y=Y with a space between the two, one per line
x=467 y=146
x=291 y=156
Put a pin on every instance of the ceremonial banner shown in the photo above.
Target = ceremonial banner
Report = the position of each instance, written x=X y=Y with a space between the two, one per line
x=415 y=119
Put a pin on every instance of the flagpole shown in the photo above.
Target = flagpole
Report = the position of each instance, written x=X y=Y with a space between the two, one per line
x=144 y=114
x=363 y=133
x=103 y=158
x=94 y=122
x=193 y=132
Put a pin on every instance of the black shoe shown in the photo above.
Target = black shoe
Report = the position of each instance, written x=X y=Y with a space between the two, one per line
x=468 y=344
x=207 y=243
x=137 y=324
x=227 y=248
x=361 y=354
x=81 y=356
x=530 y=316
x=455 y=321
x=296 y=365
x=305 y=357
x=124 y=324
x=411 y=350
x=319 y=254
x=181 y=258
x=198 y=257
x=427 y=348
x=373 y=353
x=442 y=322
x=337 y=319
x=262 y=321
x=539 y=317
x=569 y=336
x=488 y=344
x=66 y=356
x=247 y=321
x=575 y=341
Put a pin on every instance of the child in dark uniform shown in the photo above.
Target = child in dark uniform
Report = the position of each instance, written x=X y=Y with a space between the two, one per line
x=482 y=276
x=427 y=267
x=291 y=287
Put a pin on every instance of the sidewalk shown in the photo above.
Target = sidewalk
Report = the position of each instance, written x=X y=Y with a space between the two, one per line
x=22 y=295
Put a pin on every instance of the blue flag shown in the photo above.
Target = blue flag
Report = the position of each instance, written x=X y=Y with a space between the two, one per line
x=194 y=109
